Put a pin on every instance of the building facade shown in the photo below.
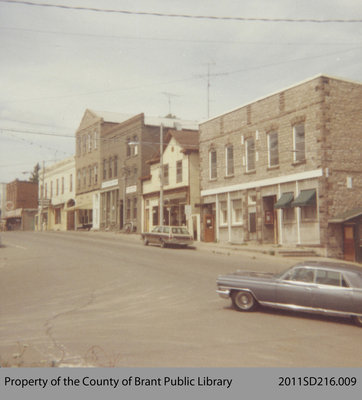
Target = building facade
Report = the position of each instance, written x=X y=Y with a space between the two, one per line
x=125 y=150
x=180 y=183
x=286 y=168
x=21 y=205
x=57 y=196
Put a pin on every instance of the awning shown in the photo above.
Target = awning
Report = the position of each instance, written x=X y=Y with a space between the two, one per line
x=346 y=216
x=305 y=198
x=285 y=200
x=14 y=213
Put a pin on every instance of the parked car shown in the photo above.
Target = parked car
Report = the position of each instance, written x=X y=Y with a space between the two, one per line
x=168 y=235
x=315 y=286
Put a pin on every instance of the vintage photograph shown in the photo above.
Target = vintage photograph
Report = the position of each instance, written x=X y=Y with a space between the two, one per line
x=181 y=186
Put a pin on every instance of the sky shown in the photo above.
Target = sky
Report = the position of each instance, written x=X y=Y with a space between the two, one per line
x=57 y=62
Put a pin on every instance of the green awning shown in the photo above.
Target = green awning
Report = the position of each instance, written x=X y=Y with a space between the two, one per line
x=285 y=200
x=305 y=198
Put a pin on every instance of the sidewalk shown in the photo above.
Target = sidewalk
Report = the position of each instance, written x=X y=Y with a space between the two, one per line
x=285 y=252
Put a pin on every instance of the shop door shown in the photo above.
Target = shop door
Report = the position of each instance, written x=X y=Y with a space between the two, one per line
x=70 y=221
x=349 y=243
x=209 y=228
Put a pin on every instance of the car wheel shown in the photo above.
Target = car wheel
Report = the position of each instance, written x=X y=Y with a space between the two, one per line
x=145 y=242
x=243 y=301
x=162 y=244
x=357 y=320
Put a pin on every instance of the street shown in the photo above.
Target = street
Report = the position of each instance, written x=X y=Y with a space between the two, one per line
x=102 y=299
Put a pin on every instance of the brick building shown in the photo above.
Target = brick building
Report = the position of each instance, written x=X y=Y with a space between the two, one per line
x=286 y=169
x=21 y=205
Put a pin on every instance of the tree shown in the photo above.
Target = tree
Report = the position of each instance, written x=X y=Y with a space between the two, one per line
x=35 y=174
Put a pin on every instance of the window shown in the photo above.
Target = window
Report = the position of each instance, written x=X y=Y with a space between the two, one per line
x=128 y=215
x=288 y=214
x=71 y=182
x=332 y=278
x=300 y=275
x=165 y=174
x=89 y=142
x=154 y=216
x=250 y=154
x=46 y=191
x=309 y=212
x=78 y=180
x=58 y=218
x=252 y=222
x=135 y=145
x=135 y=208
x=95 y=174
x=273 y=151
x=213 y=164
x=90 y=172
x=110 y=166
x=115 y=166
x=236 y=210
x=128 y=149
x=229 y=160
x=179 y=171
x=95 y=137
x=84 y=177
x=104 y=169
x=57 y=187
x=223 y=213
x=299 y=143
x=62 y=184
x=84 y=139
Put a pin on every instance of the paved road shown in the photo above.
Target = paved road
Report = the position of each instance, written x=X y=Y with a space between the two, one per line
x=102 y=299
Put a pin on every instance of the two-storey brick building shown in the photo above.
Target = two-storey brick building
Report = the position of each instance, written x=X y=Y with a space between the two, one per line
x=286 y=169
x=21 y=205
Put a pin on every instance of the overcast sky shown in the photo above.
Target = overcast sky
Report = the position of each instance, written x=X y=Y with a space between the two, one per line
x=55 y=63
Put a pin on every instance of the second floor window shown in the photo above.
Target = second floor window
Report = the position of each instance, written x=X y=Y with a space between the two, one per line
x=71 y=182
x=95 y=174
x=250 y=154
x=273 y=150
x=110 y=164
x=179 y=171
x=229 y=160
x=213 y=164
x=62 y=184
x=104 y=169
x=165 y=174
x=299 y=143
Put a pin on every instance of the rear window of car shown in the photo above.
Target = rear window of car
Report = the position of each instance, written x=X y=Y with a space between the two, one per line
x=332 y=278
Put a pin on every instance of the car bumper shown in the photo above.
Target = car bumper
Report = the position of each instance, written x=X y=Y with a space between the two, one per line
x=224 y=293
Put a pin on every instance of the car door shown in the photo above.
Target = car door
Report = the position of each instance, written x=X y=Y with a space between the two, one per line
x=332 y=291
x=295 y=288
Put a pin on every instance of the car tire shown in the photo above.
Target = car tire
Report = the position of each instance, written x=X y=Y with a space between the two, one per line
x=145 y=242
x=243 y=301
x=357 y=320
x=162 y=244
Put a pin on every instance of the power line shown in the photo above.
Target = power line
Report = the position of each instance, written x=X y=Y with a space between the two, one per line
x=187 y=16
x=170 y=39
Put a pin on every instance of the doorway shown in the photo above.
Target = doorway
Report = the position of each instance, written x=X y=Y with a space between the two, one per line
x=209 y=228
x=349 y=245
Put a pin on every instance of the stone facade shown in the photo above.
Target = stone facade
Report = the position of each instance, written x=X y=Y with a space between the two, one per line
x=303 y=140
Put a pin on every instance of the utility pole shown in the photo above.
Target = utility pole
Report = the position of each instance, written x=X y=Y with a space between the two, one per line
x=161 y=174
x=42 y=198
